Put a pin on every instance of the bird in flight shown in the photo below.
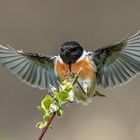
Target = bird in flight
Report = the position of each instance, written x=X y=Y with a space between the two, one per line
x=108 y=67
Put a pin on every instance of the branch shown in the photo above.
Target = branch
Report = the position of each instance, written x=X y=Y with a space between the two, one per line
x=52 y=105
x=47 y=126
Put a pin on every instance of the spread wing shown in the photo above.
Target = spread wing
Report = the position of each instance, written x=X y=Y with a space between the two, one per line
x=35 y=69
x=116 y=64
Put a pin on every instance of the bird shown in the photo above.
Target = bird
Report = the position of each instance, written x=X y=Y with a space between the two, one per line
x=110 y=66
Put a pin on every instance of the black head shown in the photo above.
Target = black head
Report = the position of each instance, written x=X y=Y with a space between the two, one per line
x=70 y=52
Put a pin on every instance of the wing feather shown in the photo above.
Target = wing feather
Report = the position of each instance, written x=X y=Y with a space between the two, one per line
x=35 y=69
x=116 y=64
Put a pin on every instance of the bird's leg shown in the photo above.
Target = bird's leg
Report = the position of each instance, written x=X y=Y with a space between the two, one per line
x=81 y=88
x=97 y=93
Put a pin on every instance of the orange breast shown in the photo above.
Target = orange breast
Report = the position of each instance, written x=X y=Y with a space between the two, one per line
x=85 y=66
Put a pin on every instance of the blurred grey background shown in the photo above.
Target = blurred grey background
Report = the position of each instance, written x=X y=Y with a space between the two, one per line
x=41 y=26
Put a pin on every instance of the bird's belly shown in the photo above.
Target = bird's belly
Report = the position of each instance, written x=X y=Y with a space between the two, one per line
x=84 y=89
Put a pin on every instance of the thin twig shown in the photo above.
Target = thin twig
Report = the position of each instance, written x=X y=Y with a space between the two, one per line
x=46 y=127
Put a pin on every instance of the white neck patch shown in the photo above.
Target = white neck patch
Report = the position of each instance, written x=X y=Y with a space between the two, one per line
x=82 y=56
x=59 y=59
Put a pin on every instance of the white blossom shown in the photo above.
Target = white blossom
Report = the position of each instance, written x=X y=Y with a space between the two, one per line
x=53 y=108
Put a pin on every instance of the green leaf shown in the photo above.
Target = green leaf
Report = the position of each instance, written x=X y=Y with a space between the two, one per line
x=41 y=109
x=68 y=88
x=46 y=102
x=59 y=112
x=40 y=125
x=47 y=117
x=51 y=127
x=62 y=97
